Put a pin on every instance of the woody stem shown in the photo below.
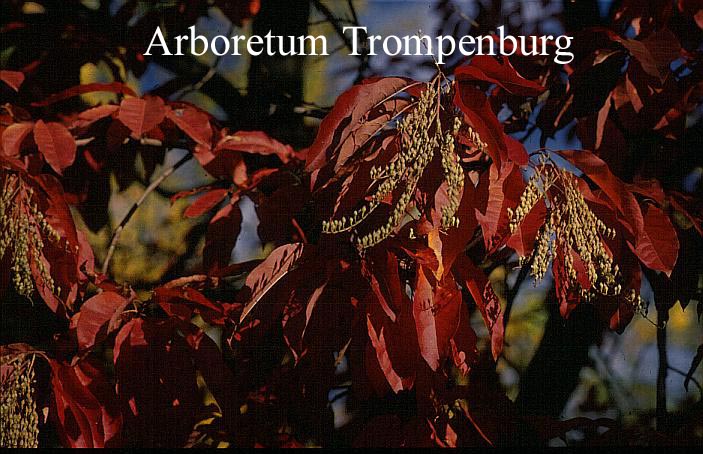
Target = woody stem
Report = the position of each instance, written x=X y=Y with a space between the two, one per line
x=154 y=184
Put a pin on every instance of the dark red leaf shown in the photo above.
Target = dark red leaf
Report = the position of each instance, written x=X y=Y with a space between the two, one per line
x=648 y=188
x=183 y=301
x=655 y=52
x=369 y=126
x=240 y=10
x=156 y=381
x=477 y=113
x=114 y=87
x=385 y=282
x=221 y=237
x=504 y=191
x=349 y=110
x=225 y=164
x=265 y=276
x=378 y=342
x=206 y=202
x=194 y=122
x=84 y=407
x=522 y=240
x=12 y=78
x=98 y=317
x=658 y=245
x=502 y=73
x=256 y=142
x=463 y=343
x=478 y=285
x=436 y=312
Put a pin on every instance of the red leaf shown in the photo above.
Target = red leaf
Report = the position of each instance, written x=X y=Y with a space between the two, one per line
x=502 y=73
x=301 y=304
x=225 y=164
x=182 y=301
x=346 y=115
x=84 y=407
x=96 y=113
x=523 y=239
x=658 y=246
x=504 y=191
x=206 y=202
x=221 y=237
x=477 y=112
x=436 y=312
x=454 y=241
x=256 y=142
x=114 y=87
x=463 y=343
x=98 y=317
x=56 y=144
x=378 y=342
x=486 y=300
x=385 y=282
x=13 y=136
x=12 y=78
x=194 y=122
x=141 y=115
x=655 y=52
x=600 y=124
x=597 y=170
x=516 y=151
x=265 y=276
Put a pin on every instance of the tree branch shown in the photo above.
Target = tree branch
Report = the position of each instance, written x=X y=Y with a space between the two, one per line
x=661 y=413
x=154 y=184
x=524 y=272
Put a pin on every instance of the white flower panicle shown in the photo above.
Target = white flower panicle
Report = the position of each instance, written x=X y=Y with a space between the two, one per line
x=419 y=143
x=570 y=228
x=22 y=232
x=19 y=421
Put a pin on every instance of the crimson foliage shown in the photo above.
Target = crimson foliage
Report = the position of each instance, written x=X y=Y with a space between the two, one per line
x=397 y=314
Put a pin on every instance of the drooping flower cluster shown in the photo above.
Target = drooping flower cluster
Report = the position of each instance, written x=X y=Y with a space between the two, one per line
x=571 y=232
x=453 y=175
x=422 y=135
x=475 y=139
x=22 y=228
x=18 y=413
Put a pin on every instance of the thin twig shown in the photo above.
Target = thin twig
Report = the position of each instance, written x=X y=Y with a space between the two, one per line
x=352 y=10
x=661 y=413
x=363 y=56
x=154 y=184
x=212 y=70
x=620 y=393
x=321 y=7
x=463 y=15
x=684 y=374
x=512 y=293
